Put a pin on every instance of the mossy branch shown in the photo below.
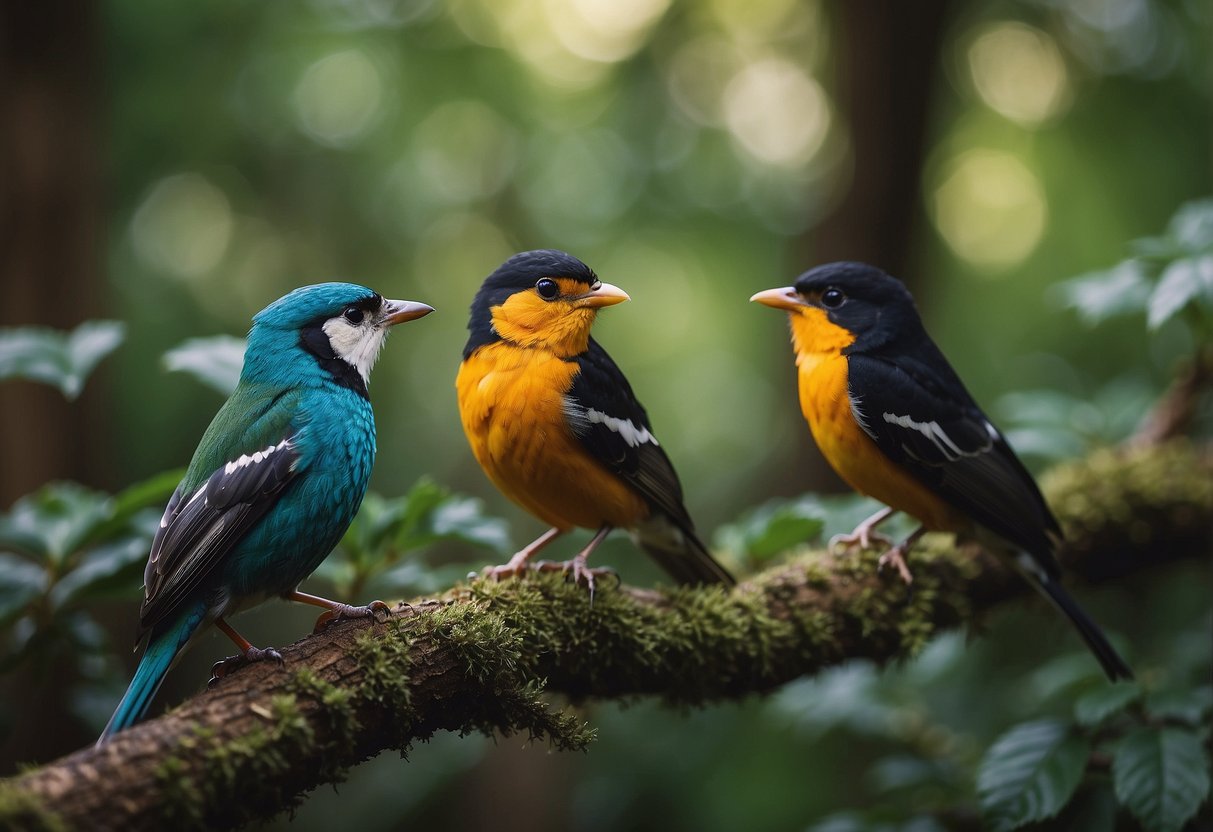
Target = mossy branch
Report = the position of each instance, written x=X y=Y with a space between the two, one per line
x=481 y=657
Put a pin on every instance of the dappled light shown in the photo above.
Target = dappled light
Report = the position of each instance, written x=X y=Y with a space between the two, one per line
x=990 y=209
x=1019 y=72
x=183 y=226
x=338 y=97
x=1036 y=172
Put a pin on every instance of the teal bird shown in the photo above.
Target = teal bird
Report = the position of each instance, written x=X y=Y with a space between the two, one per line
x=274 y=483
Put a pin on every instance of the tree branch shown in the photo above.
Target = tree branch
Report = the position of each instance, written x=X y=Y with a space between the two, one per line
x=479 y=658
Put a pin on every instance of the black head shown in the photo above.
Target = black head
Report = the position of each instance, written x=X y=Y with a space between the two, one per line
x=872 y=305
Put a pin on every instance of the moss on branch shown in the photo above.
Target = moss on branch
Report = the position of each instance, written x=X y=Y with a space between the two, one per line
x=480 y=658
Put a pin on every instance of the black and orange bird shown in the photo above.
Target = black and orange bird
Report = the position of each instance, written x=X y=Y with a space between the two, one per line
x=895 y=421
x=555 y=425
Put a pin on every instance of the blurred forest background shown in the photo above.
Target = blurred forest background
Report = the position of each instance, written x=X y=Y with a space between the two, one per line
x=176 y=166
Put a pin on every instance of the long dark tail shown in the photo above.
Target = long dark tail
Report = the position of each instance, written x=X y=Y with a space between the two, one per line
x=681 y=553
x=162 y=647
x=1097 y=642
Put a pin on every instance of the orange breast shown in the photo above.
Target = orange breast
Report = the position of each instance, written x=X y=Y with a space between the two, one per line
x=511 y=406
x=826 y=405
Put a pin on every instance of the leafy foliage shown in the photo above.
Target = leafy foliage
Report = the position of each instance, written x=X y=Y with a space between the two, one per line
x=1161 y=775
x=61 y=359
x=1160 y=767
x=771 y=529
x=1030 y=773
x=1168 y=274
x=372 y=555
x=214 y=361
x=69 y=545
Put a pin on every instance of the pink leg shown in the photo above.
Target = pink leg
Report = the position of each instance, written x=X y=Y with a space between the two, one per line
x=518 y=563
x=865 y=533
x=897 y=555
x=577 y=566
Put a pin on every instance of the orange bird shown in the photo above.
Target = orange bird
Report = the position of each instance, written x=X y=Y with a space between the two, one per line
x=555 y=425
x=895 y=421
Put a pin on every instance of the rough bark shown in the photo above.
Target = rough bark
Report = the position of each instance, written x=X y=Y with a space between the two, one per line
x=478 y=658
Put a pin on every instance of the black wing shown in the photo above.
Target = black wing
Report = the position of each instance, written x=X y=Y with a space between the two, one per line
x=613 y=427
x=923 y=418
x=604 y=414
x=198 y=529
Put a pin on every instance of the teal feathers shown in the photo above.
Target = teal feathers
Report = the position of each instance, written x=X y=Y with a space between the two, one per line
x=275 y=481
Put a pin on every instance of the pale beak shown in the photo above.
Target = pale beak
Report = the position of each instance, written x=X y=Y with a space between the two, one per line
x=604 y=295
x=399 y=311
x=785 y=298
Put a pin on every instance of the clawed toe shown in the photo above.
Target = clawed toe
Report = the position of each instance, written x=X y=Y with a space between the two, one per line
x=224 y=667
x=344 y=611
x=896 y=557
x=868 y=539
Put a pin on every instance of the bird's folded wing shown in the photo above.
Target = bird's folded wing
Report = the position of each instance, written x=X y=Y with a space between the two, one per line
x=929 y=424
x=614 y=429
x=201 y=526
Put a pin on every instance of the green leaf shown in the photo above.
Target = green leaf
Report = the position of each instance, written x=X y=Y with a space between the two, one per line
x=215 y=361
x=107 y=570
x=153 y=492
x=1161 y=775
x=1097 y=296
x=1097 y=705
x=61 y=359
x=1182 y=281
x=1190 y=706
x=1030 y=773
x=20 y=582
x=772 y=528
x=1192 y=225
x=463 y=519
x=55 y=521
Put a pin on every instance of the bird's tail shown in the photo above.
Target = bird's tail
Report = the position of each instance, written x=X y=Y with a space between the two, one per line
x=1097 y=642
x=680 y=552
x=162 y=647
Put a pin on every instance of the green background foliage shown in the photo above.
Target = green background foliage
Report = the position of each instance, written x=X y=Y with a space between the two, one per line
x=688 y=151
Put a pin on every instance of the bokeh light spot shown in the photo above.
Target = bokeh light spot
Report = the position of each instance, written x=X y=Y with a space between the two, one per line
x=990 y=209
x=1019 y=73
x=776 y=112
x=465 y=151
x=183 y=226
x=337 y=97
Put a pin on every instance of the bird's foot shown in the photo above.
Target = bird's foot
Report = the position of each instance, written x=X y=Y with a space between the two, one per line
x=575 y=570
x=512 y=568
x=343 y=611
x=864 y=538
x=225 y=667
x=896 y=556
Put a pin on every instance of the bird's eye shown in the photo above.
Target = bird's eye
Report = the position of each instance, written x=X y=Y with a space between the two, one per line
x=547 y=288
x=832 y=298
x=354 y=315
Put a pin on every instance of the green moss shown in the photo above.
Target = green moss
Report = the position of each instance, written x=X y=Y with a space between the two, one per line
x=24 y=812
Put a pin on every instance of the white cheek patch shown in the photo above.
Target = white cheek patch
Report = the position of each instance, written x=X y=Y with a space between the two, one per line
x=358 y=346
x=245 y=460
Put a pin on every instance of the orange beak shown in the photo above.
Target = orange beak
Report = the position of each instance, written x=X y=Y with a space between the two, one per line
x=784 y=298
x=604 y=295
x=399 y=311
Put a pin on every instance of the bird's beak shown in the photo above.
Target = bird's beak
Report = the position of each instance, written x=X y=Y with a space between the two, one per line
x=784 y=298
x=400 y=311
x=604 y=295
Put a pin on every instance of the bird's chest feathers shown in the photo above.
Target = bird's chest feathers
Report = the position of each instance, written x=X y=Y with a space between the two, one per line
x=821 y=367
x=511 y=401
x=825 y=399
